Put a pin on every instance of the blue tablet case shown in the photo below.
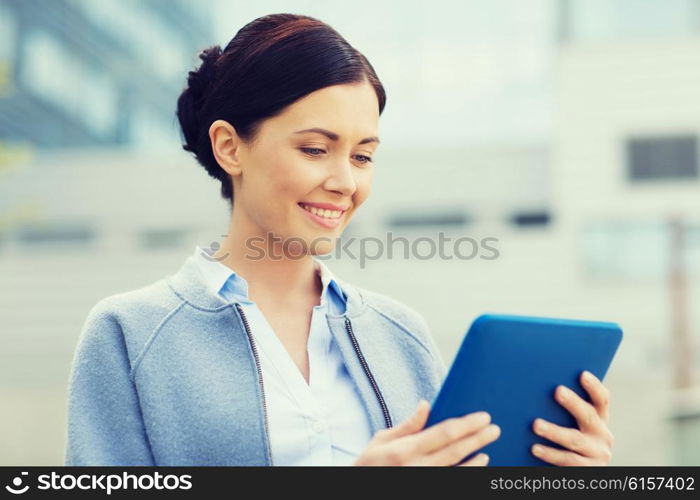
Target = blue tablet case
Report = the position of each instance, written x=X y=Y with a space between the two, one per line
x=510 y=366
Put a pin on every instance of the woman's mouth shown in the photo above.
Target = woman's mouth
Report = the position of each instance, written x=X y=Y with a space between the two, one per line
x=324 y=217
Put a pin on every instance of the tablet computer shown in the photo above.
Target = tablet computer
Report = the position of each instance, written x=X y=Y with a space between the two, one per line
x=510 y=367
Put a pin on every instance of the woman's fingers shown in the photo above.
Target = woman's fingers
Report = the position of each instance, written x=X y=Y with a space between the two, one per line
x=454 y=453
x=591 y=443
x=445 y=443
x=585 y=413
x=559 y=457
x=411 y=425
x=438 y=436
x=600 y=395
x=572 y=439
x=478 y=461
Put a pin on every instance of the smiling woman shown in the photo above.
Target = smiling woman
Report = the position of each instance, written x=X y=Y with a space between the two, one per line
x=272 y=62
x=288 y=167
x=268 y=358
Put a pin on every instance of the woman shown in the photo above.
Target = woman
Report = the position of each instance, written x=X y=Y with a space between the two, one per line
x=256 y=354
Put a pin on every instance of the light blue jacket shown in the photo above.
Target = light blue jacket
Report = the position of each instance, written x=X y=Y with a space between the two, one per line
x=168 y=374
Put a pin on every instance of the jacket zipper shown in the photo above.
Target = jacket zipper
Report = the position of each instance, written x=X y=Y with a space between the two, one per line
x=363 y=362
x=361 y=357
x=260 y=378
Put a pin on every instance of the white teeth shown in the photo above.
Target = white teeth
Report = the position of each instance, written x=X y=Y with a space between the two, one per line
x=328 y=214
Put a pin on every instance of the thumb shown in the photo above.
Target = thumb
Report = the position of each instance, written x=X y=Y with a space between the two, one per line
x=412 y=424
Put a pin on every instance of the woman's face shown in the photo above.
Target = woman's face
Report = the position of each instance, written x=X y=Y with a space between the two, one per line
x=310 y=168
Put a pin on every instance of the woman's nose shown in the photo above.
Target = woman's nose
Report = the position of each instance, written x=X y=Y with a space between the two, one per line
x=342 y=179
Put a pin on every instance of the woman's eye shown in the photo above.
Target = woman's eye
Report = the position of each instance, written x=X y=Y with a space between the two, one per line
x=312 y=151
x=366 y=159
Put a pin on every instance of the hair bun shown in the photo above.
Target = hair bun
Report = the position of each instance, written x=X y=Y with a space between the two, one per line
x=199 y=80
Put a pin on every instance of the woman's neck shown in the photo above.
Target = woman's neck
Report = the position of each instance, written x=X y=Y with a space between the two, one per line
x=271 y=275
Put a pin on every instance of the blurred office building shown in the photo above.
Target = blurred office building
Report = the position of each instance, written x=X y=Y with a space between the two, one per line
x=85 y=88
x=84 y=73
x=627 y=186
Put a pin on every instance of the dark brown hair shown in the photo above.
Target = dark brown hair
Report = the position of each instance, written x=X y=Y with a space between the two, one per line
x=271 y=62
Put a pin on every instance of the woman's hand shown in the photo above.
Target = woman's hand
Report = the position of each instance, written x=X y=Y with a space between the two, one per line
x=591 y=443
x=445 y=443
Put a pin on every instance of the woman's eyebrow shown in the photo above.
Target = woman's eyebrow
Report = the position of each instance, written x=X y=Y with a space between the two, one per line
x=334 y=137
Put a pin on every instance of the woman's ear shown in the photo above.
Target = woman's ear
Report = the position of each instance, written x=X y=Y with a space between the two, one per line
x=225 y=145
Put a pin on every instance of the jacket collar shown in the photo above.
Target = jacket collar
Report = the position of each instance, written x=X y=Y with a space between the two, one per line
x=218 y=275
x=191 y=286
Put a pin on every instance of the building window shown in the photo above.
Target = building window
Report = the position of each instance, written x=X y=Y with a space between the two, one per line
x=603 y=20
x=8 y=37
x=636 y=250
x=430 y=219
x=662 y=158
x=55 y=74
x=55 y=234
x=530 y=219
x=154 y=239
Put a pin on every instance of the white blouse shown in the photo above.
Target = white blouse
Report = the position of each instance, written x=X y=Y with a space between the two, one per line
x=323 y=422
